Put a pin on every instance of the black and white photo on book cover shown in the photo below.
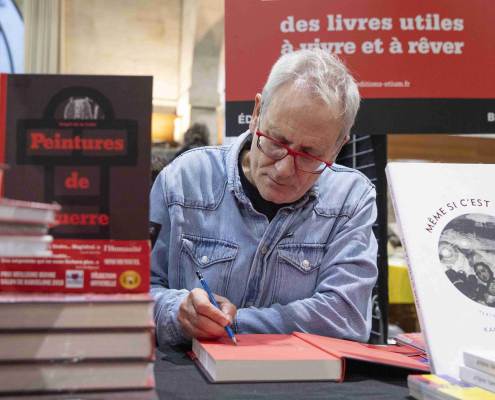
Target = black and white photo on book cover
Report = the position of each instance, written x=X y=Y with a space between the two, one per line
x=446 y=219
x=467 y=254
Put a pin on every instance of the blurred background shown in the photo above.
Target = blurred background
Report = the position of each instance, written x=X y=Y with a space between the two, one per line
x=178 y=42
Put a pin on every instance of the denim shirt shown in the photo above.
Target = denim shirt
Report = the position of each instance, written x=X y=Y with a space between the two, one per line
x=311 y=269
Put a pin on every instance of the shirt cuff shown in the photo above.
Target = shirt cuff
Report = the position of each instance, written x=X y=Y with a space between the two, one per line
x=235 y=324
x=171 y=325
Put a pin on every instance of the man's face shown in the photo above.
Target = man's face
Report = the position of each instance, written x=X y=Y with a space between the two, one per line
x=483 y=273
x=296 y=120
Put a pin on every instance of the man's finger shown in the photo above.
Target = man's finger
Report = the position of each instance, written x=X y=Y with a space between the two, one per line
x=205 y=307
x=227 y=307
x=192 y=331
x=208 y=325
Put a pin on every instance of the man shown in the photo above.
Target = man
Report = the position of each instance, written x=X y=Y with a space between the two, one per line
x=282 y=237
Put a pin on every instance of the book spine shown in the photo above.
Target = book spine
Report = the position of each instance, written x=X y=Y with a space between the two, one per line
x=393 y=195
x=477 y=378
x=479 y=363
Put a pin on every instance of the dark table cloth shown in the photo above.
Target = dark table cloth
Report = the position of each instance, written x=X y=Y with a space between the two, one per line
x=178 y=377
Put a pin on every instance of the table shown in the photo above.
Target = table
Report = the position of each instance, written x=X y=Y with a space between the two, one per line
x=178 y=377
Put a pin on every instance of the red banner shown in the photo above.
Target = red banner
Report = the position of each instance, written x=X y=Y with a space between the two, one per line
x=421 y=49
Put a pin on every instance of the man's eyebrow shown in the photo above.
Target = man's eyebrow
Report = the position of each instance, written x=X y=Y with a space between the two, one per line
x=278 y=137
x=312 y=151
x=315 y=152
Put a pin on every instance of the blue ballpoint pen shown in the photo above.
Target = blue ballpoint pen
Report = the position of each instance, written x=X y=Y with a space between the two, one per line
x=212 y=299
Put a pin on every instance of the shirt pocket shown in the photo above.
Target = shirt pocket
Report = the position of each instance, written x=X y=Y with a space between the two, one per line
x=213 y=257
x=297 y=271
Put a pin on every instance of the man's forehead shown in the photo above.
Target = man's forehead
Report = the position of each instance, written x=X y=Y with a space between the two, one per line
x=301 y=119
x=298 y=96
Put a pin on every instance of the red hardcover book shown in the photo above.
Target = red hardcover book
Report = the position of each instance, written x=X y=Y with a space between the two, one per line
x=84 y=143
x=344 y=349
x=296 y=357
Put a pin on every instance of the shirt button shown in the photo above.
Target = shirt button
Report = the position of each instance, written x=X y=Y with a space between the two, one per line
x=305 y=263
x=264 y=250
x=249 y=304
x=204 y=259
x=285 y=212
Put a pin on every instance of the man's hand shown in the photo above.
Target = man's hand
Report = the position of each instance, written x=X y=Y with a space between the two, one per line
x=200 y=319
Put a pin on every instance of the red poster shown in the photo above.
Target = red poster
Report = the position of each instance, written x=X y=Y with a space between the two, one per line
x=82 y=142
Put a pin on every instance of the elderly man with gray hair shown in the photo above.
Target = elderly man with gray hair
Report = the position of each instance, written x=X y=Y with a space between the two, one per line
x=282 y=236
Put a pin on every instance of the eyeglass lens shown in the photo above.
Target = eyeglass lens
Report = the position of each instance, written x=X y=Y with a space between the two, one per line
x=274 y=150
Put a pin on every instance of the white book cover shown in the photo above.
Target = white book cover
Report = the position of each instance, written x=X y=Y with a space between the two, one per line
x=446 y=219
x=478 y=378
x=480 y=360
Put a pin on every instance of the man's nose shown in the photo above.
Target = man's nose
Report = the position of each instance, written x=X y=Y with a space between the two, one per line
x=285 y=166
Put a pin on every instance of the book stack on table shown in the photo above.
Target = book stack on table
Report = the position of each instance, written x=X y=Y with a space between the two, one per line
x=439 y=387
x=24 y=227
x=479 y=369
x=67 y=342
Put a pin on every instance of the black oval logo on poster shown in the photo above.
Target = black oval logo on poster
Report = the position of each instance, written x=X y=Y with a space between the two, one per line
x=467 y=252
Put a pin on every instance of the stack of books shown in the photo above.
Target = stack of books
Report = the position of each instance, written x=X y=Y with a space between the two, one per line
x=67 y=342
x=479 y=369
x=24 y=227
x=75 y=313
x=438 y=387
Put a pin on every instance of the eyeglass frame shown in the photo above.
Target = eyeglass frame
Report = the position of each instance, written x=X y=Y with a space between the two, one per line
x=295 y=153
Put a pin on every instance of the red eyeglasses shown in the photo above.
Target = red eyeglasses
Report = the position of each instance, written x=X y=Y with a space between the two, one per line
x=302 y=161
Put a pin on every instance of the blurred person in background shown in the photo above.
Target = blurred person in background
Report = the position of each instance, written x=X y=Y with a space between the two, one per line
x=196 y=136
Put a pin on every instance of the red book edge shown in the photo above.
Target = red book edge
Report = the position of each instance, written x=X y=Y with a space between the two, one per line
x=360 y=352
x=3 y=121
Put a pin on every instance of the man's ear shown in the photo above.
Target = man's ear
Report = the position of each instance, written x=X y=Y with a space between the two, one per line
x=340 y=147
x=256 y=114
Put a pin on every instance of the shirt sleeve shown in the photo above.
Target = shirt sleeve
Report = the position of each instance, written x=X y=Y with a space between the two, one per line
x=167 y=301
x=341 y=304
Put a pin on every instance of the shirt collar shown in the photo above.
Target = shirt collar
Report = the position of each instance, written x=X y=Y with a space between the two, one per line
x=234 y=180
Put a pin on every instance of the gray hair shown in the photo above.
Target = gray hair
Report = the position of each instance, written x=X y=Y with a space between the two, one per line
x=324 y=75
